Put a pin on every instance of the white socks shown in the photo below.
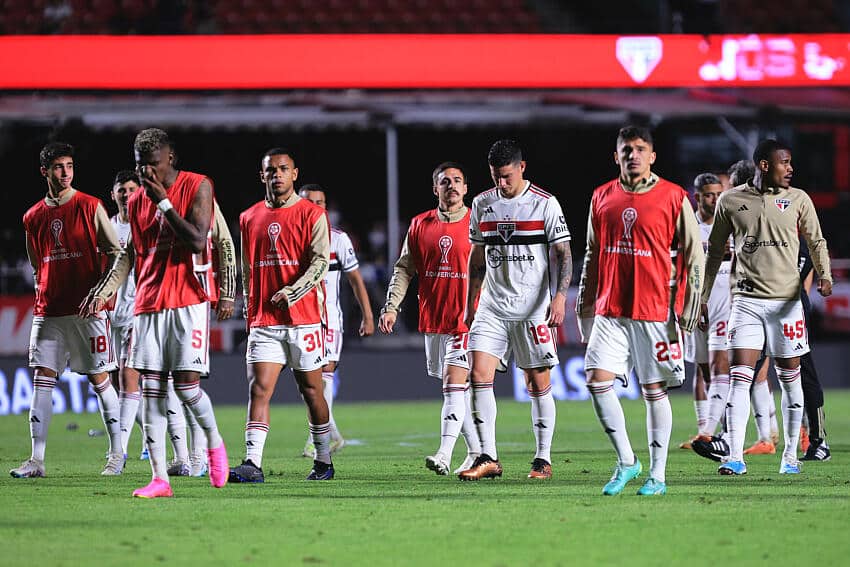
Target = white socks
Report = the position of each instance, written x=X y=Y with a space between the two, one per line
x=328 y=392
x=610 y=414
x=792 y=409
x=738 y=409
x=659 y=424
x=41 y=412
x=110 y=412
x=718 y=393
x=543 y=422
x=762 y=407
x=701 y=410
x=452 y=417
x=177 y=426
x=129 y=403
x=155 y=394
x=484 y=415
x=322 y=442
x=198 y=402
x=468 y=429
x=255 y=440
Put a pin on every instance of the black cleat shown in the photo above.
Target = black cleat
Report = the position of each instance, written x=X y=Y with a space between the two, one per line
x=818 y=451
x=246 y=472
x=714 y=448
x=321 y=471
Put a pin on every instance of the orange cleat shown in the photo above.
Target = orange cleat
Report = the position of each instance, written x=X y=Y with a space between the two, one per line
x=761 y=448
x=687 y=444
x=540 y=469
x=804 y=439
x=483 y=467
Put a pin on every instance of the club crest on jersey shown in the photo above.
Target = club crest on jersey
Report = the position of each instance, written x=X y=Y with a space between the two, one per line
x=56 y=229
x=274 y=232
x=782 y=204
x=506 y=230
x=445 y=243
x=629 y=217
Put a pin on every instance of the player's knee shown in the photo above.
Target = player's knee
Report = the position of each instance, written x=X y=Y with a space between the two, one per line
x=260 y=390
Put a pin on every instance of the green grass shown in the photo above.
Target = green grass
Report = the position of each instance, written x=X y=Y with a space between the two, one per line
x=385 y=508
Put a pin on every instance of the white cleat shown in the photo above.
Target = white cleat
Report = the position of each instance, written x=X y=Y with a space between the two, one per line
x=467 y=464
x=198 y=464
x=337 y=443
x=31 y=468
x=178 y=468
x=438 y=464
x=114 y=464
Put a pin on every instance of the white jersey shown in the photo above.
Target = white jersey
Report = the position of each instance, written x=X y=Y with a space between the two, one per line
x=517 y=234
x=125 y=297
x=343 y=259
x=721 y=282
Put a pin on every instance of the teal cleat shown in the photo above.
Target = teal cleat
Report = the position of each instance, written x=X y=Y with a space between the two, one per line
x=732 y=468
x=790 y=467
x=622 y=476
x=652 y=487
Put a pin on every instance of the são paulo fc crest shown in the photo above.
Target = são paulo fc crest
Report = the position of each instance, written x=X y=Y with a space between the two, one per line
x=629 y=217
x=506 y=230
x=56 y=229
x=639 y=55
x=445 y=243
x=782 y=204
x=274 y=232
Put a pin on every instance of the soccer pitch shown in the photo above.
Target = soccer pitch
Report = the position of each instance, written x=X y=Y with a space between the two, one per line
x=385 y=508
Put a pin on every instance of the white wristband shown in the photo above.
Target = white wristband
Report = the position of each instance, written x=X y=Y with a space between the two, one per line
x=164 y=206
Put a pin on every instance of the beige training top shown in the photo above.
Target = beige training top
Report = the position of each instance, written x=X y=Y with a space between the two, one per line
x=766 y=228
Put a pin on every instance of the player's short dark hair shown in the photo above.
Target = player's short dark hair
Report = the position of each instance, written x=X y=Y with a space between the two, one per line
x=311 y=186
x=151 y=139
x=767 y=147
x=54 y=150
x=449 y=165
x=124 y=176
x=632 y=132
x=704 y=179
x=740 y=172
x=504 y=152
x=279 y=151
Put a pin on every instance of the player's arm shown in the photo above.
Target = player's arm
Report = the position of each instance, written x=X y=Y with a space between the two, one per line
x=367 y=322
x=717 y=243
x=403 y=272
x=564 y=261
x=193 y=229
x=809 y=226
x=31 y=256
x=246 y=270
x=223 y=242
x=107 y=238
x=589 y=281
x=477 y=271
x=108 y=285
x=320 y=253
x=687 y=231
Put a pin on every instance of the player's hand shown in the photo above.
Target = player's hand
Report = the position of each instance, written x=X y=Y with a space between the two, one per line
x=387 y=322
x=585 y=327
x=557 y=310
x=91 y=305
x=703 y=317
x=224 y=309
x=279 y=299
x=154 y=189
x=367 y=327
x=825 y=287
x=469 y=318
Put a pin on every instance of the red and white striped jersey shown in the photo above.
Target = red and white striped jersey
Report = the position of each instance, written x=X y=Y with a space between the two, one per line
x=517 y=234
x=343 y=259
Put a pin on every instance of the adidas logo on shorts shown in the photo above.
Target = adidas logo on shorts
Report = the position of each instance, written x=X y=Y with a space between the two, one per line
x=318 y=360
x=743 y=208
x=198 y=361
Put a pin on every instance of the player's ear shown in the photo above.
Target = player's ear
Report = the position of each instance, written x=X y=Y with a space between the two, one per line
x=294 y=173
x=651 y=158
x=43 y=170
x=522 y=166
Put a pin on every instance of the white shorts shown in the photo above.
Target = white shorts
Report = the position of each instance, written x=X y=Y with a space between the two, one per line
x=778 y=326
x=696 y=347
x=445 y=350
x=122 y=338
x=172 y=340
x=619 y=344
x=719 y=307
x=301 y=347
x=82 y=344
x=533 y=343
x=333 y=344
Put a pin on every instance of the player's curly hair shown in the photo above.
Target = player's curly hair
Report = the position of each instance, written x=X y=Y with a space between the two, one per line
x=151 y=139
x=54 y=150
x=504 y=152
x=741 y=171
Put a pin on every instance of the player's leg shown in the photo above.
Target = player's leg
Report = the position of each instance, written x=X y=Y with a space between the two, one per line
x=543 y=415
x=443 y=355
x=818 y=449
x=469 y=430
x=179 y=464
x=606 y=358
x=333 y=352
x=130 y=398
x=187 y=386
x=198 y=445
x=262 y=380
x=659 y=424
x=718 y=390
x=763 y=406
x=696 y=352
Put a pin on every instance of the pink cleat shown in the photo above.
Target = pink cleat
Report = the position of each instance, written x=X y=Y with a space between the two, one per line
x=158 y=488
x=219 y=469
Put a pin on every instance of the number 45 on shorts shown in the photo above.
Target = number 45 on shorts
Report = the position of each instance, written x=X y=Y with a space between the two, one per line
x=794 y=330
